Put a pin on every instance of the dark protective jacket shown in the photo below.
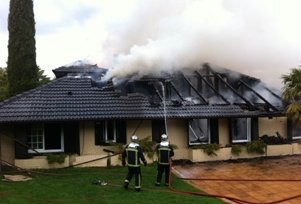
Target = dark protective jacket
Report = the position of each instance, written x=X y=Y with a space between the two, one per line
x=164 y=153
x=133 y=155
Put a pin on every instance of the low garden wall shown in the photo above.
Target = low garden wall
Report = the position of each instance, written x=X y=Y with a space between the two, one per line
x=225 y=153
x=195 y=155
x=41 y=162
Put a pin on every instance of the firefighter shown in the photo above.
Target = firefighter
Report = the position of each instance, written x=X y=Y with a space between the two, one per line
x=165 y=152
x=131 y=156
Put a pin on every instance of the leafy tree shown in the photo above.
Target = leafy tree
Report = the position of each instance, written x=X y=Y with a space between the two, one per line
x=43 y=79
x=292 y=94
x=3 y=84
x=22 y=69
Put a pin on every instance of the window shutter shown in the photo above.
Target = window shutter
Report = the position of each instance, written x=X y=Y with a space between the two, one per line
x=121 y=131
x=254 y=129
x=214 y=131
x=22 y=131
x=289 y=130
x=230 y=130
x=99 y=133
x=71 y=137
x=158 y=128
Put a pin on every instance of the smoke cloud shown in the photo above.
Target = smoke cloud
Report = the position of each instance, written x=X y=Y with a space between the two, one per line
x=260 y=38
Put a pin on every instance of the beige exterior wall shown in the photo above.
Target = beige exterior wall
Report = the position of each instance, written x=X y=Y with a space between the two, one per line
x=143 y=129
x=7 y=144
x=90 y=151
x=223 y=132
x=87 y=139
x=269 y=126
x=177 y=133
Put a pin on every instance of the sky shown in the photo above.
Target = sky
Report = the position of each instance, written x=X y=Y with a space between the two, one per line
x=261 y=38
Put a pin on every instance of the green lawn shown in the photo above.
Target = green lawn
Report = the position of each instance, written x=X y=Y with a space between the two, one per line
x=74 y=185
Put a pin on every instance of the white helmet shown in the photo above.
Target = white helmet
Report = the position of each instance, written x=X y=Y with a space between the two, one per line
x=164 y=138
x=134 y=138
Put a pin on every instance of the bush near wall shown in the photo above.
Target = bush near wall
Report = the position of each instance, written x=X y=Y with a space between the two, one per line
x=56 y=158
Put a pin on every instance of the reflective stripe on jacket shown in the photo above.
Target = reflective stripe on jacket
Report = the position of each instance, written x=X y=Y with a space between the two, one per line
x=132 y=157
x=164 y=155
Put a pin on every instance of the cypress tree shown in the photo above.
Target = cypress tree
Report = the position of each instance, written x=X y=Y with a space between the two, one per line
x=22 y=69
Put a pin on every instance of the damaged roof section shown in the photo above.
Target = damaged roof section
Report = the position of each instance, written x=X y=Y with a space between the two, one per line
x=79 y=93
x=206 y=86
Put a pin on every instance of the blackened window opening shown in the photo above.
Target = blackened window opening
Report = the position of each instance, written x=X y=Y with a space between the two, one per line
x=199 y=131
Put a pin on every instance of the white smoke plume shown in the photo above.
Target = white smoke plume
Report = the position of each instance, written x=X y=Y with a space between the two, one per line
x=255 y=37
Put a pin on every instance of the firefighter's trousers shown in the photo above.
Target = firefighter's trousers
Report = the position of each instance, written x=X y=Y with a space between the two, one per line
x=160 y=170
x=131 y=172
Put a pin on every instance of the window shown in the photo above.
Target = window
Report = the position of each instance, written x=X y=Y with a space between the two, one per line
x=36 y=137
x=241 y=130
x=199 y=132
x=296 y=131
x=46 y=138
x=110 y=131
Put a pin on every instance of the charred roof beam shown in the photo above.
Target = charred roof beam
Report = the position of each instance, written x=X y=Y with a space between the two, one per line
x=220 y=95
x=274 y=94
x=257 y=94
x=196 y=91
x=158 y=93
x=176 y=90
x=250 y=105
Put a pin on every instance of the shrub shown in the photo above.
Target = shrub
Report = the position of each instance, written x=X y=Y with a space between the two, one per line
x=256 y=146
x=56 y=158
x=209 y=149
x=148 y=146
x=236 y=149
x=274 y=139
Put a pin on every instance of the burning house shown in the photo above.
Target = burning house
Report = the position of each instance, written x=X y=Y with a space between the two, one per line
x=82 y=115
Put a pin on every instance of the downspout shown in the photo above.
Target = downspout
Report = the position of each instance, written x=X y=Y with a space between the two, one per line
x=83 y=140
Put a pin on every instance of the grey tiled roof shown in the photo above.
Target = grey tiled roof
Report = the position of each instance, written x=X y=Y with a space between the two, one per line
x=75 y=98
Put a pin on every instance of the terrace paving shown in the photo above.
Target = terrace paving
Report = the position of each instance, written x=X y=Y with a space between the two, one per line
x=283 y=175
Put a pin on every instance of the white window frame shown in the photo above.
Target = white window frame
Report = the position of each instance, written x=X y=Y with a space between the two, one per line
x=296 y=137
x=43 y=150
x=248 y=132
